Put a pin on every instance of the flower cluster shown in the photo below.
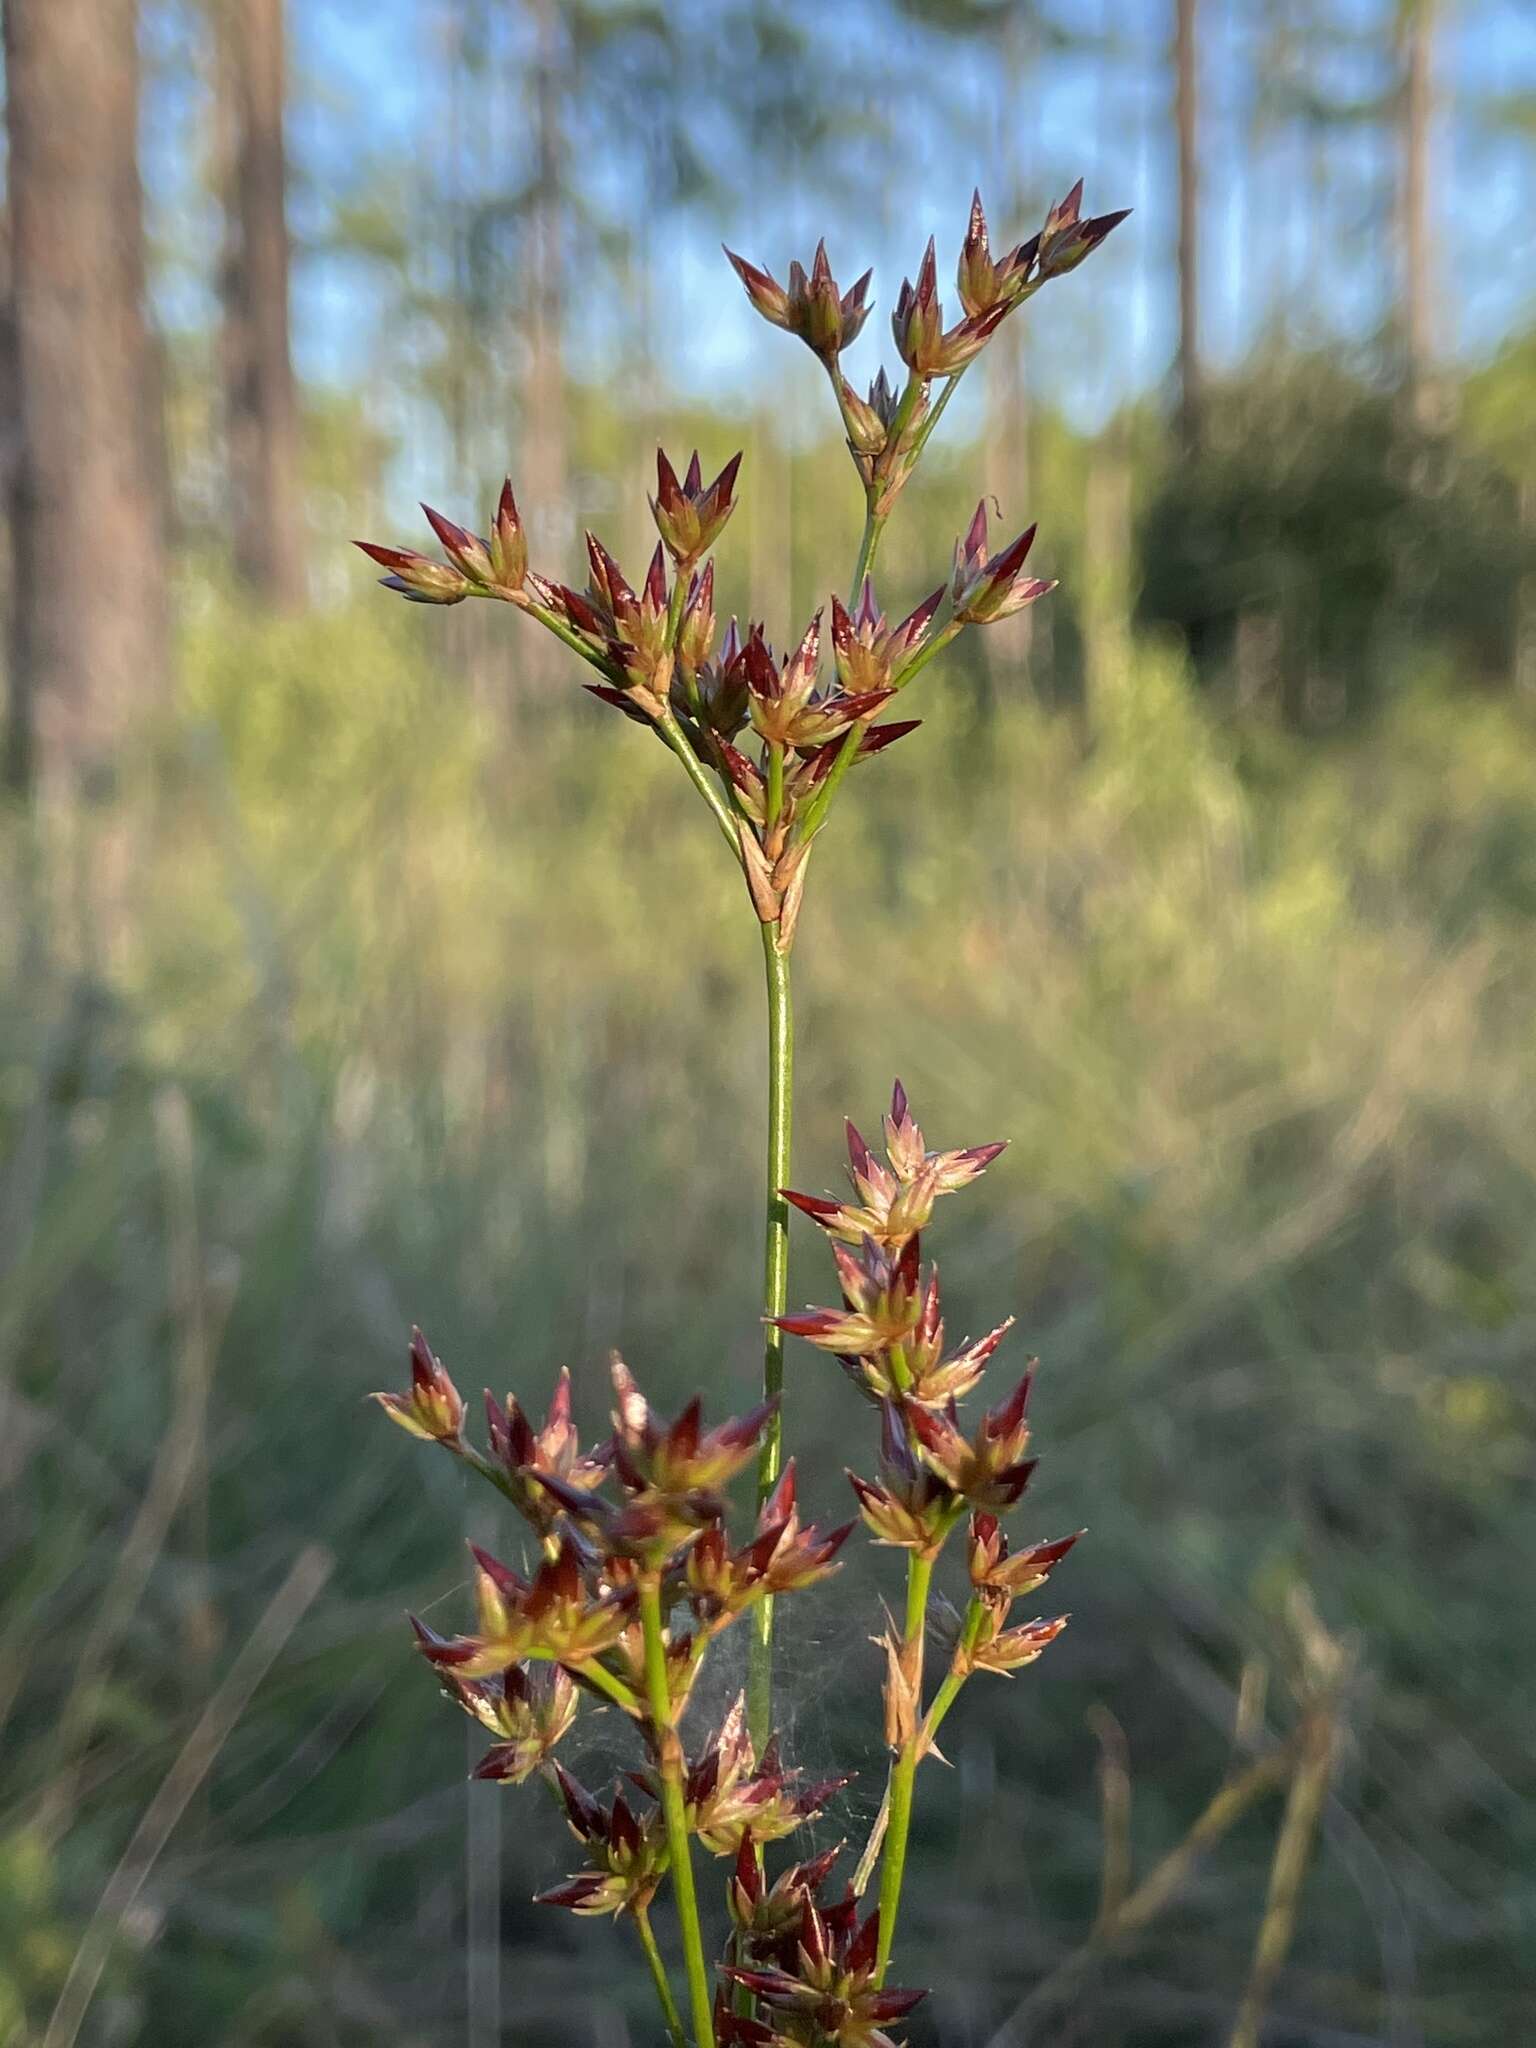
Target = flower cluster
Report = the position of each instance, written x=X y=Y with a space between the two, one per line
x=819 y=1977
x=529 y=1457
x=629 y=1572
x=626 y=1854
x=430 y=1407
x=780 y=1557
x=997 y=1580
x=985 y=587
x=633 y=1574
x=734 y=1797
x=763 y=739
x=894 y=1200
x=497 y=567
x=688 y=516
x=646 y=1506
x=888 y=1336
x=527 y=1707
x=887 y=429
x=827 y=320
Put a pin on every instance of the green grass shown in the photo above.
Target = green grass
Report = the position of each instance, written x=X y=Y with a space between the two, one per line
x=361 y=1005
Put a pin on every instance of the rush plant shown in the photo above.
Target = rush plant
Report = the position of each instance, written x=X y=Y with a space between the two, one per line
x=630 y=1573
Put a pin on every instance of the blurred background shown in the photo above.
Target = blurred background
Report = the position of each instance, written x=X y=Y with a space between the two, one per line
x=358 y=969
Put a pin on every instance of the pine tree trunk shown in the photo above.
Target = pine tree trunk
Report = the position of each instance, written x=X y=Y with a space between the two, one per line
x=1416 y=40
x=90 y=643
x=1186 y=122
x=261 y=407
x=10 y=418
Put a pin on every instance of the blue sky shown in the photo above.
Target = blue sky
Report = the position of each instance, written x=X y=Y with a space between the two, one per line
x=373 y=101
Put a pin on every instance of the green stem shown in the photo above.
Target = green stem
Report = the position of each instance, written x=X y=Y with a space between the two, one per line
x=781 y=1069
x=667 y=725
x=893 y=1867
x=670 y=2013
x=901 y=1370
x=570 y=636
x=773 y=801
x=950 y=630
x=911 y=399
x=869 y=546
x=893 y=467
x=675 y=603
x=943 y=1700
x=933 y=418
x=878 y=499
x=816 y=810
x=815 y=813
x=956 y=1675
x=605 y=1682
x=477 y=1462
x=674 y=1813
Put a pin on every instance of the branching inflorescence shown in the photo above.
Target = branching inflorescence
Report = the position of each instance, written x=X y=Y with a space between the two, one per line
x=631 y=1574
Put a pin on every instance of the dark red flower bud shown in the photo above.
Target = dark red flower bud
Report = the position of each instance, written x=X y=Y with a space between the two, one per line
x=464 y=549
x=986 y=283
x=628 y=1855
x=417 y=577
x=729 y=1794
x=990 y=1469
x=530 y=1457
x=825 y=319
x=1066 y=239
x=528 y=1709
x=509 y=545
x=688 y=516
x=558 y=1614
x=696 y=632
x=432 y=1408
x=992 y=1567
x=984 y=589
x=893 y=1203
x=923 y=343
x=826 y=1985
x=870 y=655
x=494 y=568
x=1007 y=1650
x=816 y=766
x=867 y=431
x=768 y=298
